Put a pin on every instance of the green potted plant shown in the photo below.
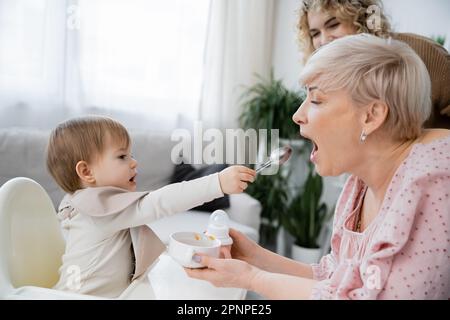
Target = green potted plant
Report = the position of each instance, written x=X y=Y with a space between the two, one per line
x=272 y=193
x=439 y=39
x=305 y=217
x=270 y=105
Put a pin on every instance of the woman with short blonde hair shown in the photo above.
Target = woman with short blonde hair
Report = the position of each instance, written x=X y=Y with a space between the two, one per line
x=396 y=77
x=367 y=101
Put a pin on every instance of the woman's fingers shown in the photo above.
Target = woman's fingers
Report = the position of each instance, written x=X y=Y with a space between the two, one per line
x=225 y=252
x=201 y=274
x=224 y=272
x=234 y=234
x=205 y=260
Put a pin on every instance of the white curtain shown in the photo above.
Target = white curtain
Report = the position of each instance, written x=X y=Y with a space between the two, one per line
x=239 y=45
x=31 y=59
x=138 y=59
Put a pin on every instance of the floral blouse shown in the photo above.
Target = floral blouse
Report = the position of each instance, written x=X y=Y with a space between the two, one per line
x=405 y=252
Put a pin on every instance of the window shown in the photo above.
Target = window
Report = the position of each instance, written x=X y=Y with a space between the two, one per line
x=142 y=55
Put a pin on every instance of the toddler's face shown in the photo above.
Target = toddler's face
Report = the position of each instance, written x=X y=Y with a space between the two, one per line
x=116 y=167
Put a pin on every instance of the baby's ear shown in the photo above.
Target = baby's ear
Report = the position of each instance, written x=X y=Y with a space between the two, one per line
x=84 y=172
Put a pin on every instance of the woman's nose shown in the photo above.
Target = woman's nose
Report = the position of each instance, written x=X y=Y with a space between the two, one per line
x=299 y=116
x=325 y=38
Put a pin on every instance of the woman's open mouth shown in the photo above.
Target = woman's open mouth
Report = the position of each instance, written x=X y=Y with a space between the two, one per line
x=315 y=148
x=133 y=179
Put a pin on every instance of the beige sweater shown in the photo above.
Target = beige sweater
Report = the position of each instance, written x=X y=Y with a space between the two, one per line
x=105 y=228
x=437 y=61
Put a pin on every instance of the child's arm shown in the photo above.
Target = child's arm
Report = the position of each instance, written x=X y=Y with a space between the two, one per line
x=182 y=196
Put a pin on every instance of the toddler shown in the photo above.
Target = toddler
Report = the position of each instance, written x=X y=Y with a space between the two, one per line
x=103 y=217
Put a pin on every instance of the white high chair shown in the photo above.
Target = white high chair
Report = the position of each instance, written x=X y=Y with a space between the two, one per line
x=31 y=246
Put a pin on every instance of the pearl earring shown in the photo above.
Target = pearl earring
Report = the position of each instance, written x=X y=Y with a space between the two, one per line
x=363 y=137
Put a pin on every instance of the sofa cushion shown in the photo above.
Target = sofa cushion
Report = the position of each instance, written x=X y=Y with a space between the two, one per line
x=23 y=153
x=152 y=150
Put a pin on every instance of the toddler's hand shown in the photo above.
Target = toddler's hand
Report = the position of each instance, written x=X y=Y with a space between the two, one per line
x=235 y=179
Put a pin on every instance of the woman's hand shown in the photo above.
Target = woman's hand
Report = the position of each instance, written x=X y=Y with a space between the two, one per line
x=249 y=251
x=235 y=179
x=243 y=248
x=224 y=272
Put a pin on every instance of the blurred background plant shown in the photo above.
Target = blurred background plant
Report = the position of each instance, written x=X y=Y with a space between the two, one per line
x=306 y=214
x=270 y=105
x=272 y=192
x=439 y=39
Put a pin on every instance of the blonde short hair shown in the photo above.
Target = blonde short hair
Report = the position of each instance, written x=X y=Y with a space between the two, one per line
x=376 y=69
x=352 y=12
x=80 y=139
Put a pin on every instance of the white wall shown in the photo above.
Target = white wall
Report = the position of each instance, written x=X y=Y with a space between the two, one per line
x=428 y=18
x=286 y=56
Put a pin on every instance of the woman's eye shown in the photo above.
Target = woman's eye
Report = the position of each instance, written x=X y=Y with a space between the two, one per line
x=314 y=35
x=123 y=156
x=315 y=102
x=334 y=25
